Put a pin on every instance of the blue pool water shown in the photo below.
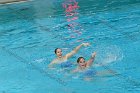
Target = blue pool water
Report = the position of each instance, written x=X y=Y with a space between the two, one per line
x=30 y=31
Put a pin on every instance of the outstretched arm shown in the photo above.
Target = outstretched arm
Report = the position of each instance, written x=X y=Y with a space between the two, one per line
x=52 y=63
x=91 y=60
x=76 y=50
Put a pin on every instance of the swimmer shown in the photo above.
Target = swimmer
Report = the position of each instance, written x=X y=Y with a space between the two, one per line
x=83 y=65
x=87 y=72
x=60 y=59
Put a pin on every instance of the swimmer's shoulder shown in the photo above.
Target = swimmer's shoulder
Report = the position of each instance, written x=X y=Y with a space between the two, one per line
x=87 y=66
x=65 y=57
x=57 y=61
x=76 y=70
x=52 y=63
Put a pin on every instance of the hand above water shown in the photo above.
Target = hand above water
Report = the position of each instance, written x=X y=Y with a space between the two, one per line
x=93 y=54
x=85 y=44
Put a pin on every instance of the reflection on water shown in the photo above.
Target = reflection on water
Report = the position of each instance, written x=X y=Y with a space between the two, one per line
x=72 y=15
x=70 y=7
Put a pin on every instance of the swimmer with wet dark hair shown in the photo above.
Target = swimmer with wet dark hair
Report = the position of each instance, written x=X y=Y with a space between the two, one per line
x=60 y=59
x=82 y=64
x=88 y=73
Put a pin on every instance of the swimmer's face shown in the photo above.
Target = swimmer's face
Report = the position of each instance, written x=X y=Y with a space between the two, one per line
x=59 y=52
x=82 y=62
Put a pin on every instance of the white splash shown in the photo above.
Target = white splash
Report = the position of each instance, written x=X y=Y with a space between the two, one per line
x=106 y=55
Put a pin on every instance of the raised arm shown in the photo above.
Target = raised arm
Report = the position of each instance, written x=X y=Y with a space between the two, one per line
x=91 y=60
x=76 y=50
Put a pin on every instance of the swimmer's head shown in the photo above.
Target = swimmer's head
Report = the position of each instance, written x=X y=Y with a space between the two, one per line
x=58 y=52
x=81 y=62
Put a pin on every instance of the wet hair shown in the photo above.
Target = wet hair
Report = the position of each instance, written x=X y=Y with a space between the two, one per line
x=56 y=50
x=79 y=59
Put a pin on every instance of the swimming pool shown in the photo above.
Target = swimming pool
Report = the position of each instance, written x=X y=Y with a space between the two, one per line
x=30 y=31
